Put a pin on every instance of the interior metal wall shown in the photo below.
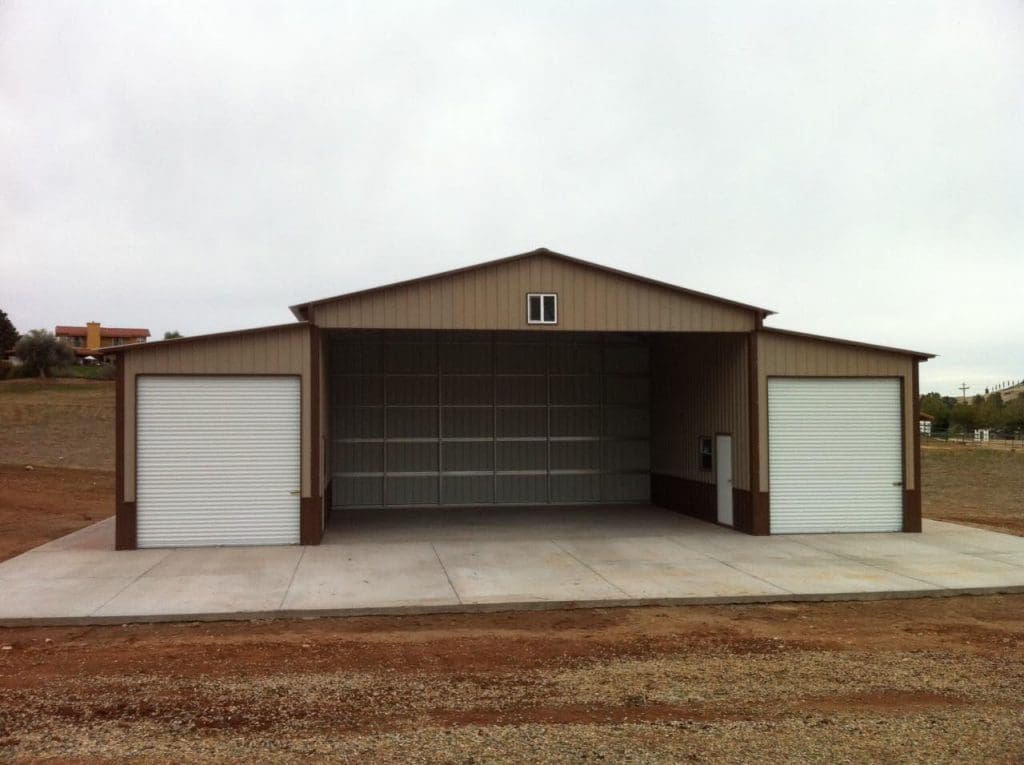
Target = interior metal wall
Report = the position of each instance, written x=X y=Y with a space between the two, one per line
x=455 y=418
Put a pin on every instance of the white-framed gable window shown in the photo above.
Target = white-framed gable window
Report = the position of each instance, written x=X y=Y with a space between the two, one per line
x=542 y=308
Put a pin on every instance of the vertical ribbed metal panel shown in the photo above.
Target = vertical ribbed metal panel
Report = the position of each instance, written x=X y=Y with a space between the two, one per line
x=698 y=387
x=492 y=298
x=481 y=417
x=218 y=460
x=834 y=455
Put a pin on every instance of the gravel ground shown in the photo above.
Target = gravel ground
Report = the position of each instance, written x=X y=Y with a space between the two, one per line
x=904 y=681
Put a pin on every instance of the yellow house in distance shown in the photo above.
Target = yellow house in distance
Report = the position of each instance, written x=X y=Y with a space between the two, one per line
x=92 y=337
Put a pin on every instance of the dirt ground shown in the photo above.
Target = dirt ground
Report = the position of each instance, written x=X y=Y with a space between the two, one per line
x=932 y=680
x=45 y=503
x=974 y=485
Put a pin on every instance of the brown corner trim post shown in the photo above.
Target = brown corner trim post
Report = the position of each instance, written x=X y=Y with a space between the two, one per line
x=759 y=511
x=912 y=497
x=311 y=508
x=124 y=512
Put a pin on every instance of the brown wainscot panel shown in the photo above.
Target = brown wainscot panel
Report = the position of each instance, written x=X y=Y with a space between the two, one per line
x=691 y=498
x=125 y=526
x=912 y=509
x=742 y=511
x=310 y=525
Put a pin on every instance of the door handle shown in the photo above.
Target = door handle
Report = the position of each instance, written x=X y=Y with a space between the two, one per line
x=897 y=483
x=294 y=493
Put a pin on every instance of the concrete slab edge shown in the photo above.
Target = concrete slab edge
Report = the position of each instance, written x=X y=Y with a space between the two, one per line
x=485 y=608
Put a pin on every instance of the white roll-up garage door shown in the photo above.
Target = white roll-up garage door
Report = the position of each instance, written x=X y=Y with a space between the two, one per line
x=218 y=460
x=835 y=455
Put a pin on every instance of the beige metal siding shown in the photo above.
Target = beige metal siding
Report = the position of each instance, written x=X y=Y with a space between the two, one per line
x=276 y=351
x=699 y=388
x=495 y=298
x=788 y=356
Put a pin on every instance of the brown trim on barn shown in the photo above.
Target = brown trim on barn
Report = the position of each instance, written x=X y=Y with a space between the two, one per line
x=760 y=522
x=301 y=310
x=912 y=497
x=124 y=512
x=311 y=530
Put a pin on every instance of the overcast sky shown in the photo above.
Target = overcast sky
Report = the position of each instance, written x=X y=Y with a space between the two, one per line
x=857 y=167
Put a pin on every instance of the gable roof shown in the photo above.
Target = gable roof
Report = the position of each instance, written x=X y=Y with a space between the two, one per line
x=301 y=310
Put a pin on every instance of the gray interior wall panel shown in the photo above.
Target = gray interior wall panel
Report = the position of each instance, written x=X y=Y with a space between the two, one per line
x=479 y=418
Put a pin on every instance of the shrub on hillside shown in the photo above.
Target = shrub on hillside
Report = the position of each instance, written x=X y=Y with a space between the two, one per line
x=85 y=372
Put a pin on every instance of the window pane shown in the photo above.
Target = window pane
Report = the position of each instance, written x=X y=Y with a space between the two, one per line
x=534 y=307
x=549 y=308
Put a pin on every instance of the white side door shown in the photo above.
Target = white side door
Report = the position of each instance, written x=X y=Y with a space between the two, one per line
x=218 y=460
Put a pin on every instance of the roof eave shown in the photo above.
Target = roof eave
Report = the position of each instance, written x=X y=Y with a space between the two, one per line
x=301 y=310
x=113 y=349
x=920 y=355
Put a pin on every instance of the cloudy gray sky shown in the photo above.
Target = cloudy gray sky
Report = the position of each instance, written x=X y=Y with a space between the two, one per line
x=858 y=167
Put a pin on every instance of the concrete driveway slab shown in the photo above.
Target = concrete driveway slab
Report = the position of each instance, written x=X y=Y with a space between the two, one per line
x=955 y=571
x=81 y=564
x=629 y=549
x=859 y=546
x=830 y=577
x=683 y=577
x=198 y=595
x=247 y=561
x=489 y=558
x=1015 y=559
x=730 y=548
x=98 y=536
x=369 y=575
x=509 y=524
x=652 y=567
x=515 y=572
x=977 y=541
x=56 y=599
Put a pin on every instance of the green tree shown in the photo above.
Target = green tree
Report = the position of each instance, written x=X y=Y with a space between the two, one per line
x=172 y=335
x=40 y=352
x=937 y=407
x=8 y=334
x=1013 y=414
x=964 y=415
x=991 y=412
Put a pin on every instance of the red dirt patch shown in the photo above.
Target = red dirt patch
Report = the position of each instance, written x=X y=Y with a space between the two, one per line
x=45 y=503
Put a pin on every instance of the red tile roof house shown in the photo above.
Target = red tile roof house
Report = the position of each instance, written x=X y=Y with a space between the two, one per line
x=88 y=339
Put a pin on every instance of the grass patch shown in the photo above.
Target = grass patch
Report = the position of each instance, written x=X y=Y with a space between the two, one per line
x=57 y=422
x=50 y=386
